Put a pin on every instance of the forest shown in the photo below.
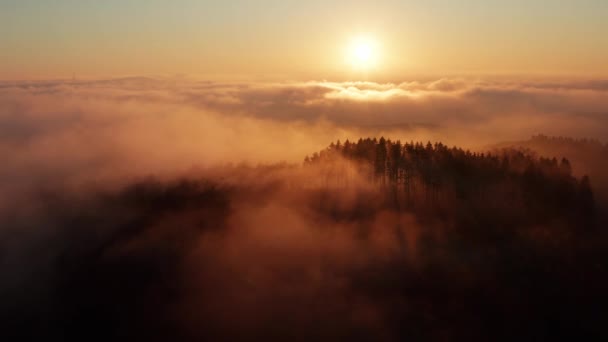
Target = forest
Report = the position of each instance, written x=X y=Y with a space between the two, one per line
x=588 y=156
x=373 y=240
x=507 y=187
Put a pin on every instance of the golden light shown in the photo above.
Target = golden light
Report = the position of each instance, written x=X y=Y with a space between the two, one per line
x=363 y=53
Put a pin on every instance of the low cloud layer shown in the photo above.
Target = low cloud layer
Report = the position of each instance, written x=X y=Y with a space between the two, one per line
x=143 y=125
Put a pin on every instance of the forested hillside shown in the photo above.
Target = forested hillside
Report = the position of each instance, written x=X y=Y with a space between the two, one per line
x=476 y=188
x=588 y=157
x=367 y=241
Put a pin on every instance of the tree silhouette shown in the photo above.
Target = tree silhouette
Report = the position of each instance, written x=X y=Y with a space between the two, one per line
x=434 y=177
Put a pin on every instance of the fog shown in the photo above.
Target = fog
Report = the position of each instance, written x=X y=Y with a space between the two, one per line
x=160 y=208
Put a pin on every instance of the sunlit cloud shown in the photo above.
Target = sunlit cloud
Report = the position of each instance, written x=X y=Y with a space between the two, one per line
x=139 y=125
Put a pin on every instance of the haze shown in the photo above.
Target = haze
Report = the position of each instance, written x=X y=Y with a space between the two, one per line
x=303 y=170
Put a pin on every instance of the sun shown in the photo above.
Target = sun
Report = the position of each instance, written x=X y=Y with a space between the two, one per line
x=363 y=53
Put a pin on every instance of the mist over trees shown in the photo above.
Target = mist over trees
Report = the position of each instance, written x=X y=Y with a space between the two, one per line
x=508 y=185
x=588 y=157
x=366 y=241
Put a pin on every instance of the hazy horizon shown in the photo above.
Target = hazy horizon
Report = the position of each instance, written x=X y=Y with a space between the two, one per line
x=300 y=40
x=285 y=170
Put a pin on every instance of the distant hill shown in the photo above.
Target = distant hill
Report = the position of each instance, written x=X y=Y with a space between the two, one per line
x=588 y=157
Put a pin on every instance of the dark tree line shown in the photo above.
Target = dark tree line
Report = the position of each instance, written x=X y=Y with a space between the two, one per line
x=431 y=176
x=588 y=156
x=570 y=142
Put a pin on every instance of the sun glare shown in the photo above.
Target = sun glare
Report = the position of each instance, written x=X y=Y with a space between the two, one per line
x=363 y=53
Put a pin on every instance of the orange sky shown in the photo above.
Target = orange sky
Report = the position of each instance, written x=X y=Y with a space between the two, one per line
x=299 y=40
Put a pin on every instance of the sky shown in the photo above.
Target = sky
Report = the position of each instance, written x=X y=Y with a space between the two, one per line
x=300 y=40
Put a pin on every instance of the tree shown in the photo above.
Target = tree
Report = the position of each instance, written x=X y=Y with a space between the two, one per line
x=565 y=166
x=586 y=201
x=380 y=160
